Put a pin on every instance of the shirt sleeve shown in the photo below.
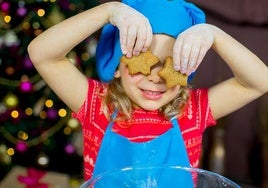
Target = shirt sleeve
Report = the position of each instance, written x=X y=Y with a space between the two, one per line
x=82 y=112
x=90 y=110
x=200 y=96
x=197 y=111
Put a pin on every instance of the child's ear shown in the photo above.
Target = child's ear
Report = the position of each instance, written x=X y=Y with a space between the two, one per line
x=117 y=74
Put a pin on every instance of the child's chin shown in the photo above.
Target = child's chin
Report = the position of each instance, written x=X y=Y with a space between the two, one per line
x=150 y=108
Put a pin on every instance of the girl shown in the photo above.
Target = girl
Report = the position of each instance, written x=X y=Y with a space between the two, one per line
x=132 y=120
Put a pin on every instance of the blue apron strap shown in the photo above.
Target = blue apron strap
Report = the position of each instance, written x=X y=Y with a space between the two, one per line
x=113 y=116
x=183 y=149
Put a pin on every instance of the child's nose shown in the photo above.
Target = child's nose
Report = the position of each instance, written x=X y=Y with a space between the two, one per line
x=153 y=76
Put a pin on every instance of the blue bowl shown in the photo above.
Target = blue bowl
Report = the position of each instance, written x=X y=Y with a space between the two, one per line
x=159 y=177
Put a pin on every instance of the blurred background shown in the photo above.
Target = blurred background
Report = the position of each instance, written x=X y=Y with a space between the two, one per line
x=37 y=130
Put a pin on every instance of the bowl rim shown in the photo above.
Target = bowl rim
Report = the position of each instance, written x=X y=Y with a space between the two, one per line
x=130 y=168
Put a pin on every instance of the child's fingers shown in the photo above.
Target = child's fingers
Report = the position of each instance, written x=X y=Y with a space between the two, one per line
x=176 y=55
x=144 y=39
x=198 y=52
x=135 y=39
x=140 y=41
x=149 y=38
x=123 y=39
x=134 y=30
x=185 y=57
x=193 y=59
x=131 y=40
x=201 y=56
x=191 y=47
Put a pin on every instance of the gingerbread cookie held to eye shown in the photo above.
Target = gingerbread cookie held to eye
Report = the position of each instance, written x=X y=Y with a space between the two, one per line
x=171 y=76
x=141 y=63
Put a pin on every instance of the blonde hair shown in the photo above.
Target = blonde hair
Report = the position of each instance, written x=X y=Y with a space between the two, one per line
x=116 y=99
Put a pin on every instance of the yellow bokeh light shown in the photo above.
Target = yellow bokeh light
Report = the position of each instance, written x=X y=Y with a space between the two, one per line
x=14 y=114
x=67 y=130
x=7 y=18
x=11 y=100
x=10 y=151
x=43 y=115
x=41 y=12
x=62 y=112
x=26 y=25
x=49 y=103
x=29 y=111
x=23 y=135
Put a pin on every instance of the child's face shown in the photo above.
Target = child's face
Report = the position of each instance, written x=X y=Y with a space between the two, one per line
x=150 y=92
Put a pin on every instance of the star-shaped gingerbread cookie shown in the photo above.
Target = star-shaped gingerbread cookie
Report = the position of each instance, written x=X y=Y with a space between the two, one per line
x=141 y=63
x=171 y=76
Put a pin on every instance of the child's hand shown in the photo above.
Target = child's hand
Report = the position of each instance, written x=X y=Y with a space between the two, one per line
x=135 y=29
x=191 y=46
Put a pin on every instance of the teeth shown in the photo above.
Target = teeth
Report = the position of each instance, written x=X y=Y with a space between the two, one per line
x=151 y=92
x=152 y=95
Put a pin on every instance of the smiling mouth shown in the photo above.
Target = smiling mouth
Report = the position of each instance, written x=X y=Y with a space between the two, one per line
x=152 y=95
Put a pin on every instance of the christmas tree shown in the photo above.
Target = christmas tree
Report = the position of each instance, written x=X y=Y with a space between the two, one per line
x=36 y=128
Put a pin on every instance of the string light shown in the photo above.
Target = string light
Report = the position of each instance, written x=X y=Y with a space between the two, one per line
x=39 y=139
x=42 y=159
x=41 y=12
x=25 y=25
x=15 y=83
x=29 y=111
x=10 y=151
x=49 y=103
x=14 y=114
x=7 y=18
x=11 y=100
x=43 y=114
x=62 y=112
x=67 y=131
x=23 y=135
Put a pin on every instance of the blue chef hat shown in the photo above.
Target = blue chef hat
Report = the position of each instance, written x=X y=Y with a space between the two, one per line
x=169 y=17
